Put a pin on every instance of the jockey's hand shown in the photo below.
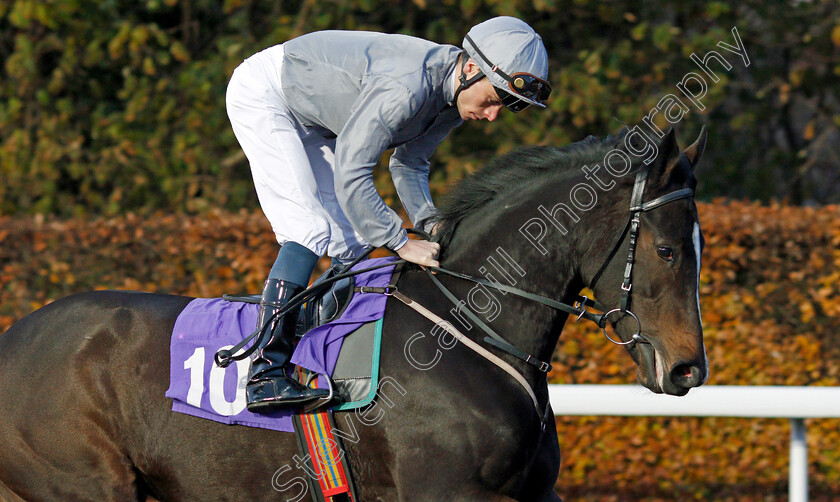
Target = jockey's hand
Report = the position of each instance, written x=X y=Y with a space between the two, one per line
x=420 y=252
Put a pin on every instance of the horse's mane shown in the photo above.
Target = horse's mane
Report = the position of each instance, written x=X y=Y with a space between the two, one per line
x=511 y=171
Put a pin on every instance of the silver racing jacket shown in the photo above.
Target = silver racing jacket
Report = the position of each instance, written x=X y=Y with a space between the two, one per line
x=372 y=92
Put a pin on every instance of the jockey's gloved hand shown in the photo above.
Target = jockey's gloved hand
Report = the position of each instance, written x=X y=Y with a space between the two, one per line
x=420 y=252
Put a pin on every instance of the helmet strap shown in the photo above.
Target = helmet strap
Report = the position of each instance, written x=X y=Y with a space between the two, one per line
x=463 y=79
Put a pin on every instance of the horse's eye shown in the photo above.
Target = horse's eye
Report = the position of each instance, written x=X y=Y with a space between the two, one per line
x=665 y=253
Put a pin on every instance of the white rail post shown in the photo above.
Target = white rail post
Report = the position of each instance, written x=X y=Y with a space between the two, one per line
x=798 y=476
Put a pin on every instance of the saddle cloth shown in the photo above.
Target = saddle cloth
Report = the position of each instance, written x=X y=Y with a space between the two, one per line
x=200 y=388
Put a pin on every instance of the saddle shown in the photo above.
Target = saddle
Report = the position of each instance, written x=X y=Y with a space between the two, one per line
x=323 y=307
x=327 y=306
x=356 y=374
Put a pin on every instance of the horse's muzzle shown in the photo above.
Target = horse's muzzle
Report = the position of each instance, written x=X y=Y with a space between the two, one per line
x=676 y=380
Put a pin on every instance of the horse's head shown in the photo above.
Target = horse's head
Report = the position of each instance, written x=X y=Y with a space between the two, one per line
x=661 y=287
x=574 y=238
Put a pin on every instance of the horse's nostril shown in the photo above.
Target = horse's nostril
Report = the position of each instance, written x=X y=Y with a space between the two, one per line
x=685 y=375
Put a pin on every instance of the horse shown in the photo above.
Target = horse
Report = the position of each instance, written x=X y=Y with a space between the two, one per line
x=83 y=414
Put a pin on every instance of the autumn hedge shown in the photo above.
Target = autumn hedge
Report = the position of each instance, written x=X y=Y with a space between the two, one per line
x=114 y=105
x=771 y=312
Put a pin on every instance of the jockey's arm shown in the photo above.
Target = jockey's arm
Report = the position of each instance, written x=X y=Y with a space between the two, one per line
x=376 y=115
x=409 y=166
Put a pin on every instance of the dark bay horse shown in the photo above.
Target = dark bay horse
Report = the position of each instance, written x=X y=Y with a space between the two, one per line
x=82 y=409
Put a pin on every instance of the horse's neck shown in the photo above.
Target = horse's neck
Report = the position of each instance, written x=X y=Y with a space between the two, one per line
x=490 y=245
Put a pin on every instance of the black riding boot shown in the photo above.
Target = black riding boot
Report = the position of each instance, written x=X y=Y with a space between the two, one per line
x=269 y=387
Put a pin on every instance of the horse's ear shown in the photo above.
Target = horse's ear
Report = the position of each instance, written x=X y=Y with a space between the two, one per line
x=695 y=151
x=669 y=155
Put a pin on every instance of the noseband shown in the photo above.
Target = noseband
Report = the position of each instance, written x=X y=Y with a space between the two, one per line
x=631 y=229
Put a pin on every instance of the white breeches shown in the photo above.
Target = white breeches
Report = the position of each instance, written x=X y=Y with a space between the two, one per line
x=292 y=166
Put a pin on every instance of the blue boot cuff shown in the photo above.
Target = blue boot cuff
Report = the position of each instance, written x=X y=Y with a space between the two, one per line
x=294 y=263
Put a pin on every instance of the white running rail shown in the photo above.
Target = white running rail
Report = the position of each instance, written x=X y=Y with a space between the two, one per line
x=793 y=403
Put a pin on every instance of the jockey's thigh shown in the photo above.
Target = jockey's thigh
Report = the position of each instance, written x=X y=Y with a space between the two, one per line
x=345 y=243
x=283 y=176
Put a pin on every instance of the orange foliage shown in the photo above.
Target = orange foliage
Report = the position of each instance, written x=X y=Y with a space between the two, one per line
x=770 y=296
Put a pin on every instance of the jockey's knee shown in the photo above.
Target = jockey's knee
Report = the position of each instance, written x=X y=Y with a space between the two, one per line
x=307 y=228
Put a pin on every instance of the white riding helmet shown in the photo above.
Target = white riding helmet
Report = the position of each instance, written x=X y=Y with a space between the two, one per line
x=512 y=56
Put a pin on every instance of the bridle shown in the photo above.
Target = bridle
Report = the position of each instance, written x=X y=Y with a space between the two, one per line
x=631 y=229
x=578 y=309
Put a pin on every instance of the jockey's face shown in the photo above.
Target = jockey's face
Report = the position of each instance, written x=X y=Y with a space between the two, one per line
x=478 y=101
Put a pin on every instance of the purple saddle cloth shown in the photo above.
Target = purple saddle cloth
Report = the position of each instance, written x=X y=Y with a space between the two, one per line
x=200 y=388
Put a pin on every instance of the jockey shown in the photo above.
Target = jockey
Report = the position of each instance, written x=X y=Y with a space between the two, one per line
x=314 y=115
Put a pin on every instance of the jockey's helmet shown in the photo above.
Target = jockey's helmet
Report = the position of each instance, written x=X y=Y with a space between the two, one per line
x=512 y=56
